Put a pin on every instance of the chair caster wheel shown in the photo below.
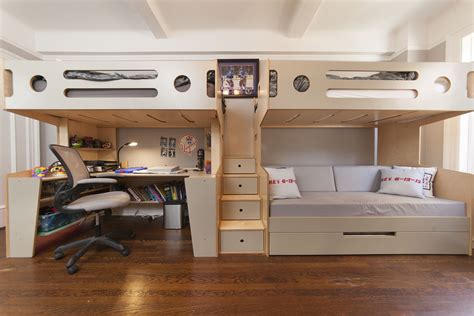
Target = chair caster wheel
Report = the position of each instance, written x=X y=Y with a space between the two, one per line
x=58 y=255
x=72 y=269
x=125 y=252
x=132 y=235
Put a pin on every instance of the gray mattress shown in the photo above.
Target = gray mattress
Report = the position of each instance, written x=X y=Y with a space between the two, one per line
x=334 y=204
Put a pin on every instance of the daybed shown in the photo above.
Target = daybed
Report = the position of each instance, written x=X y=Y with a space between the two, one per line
x=341 y=213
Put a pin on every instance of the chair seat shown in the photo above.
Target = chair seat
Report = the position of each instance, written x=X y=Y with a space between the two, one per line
x=100 y=201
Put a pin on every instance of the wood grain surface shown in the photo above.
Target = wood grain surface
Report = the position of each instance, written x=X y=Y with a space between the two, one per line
x=161 y=276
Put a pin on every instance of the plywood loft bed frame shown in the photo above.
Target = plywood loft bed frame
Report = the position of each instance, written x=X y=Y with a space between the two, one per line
x=329 y=102
x=398 y=115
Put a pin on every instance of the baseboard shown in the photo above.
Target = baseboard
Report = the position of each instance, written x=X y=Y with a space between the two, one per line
x=2 y=216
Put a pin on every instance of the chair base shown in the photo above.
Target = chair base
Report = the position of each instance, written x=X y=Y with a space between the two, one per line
x=86 y=244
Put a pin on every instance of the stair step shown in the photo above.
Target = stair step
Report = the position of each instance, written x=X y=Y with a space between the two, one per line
x=241 y=225
x=240 y=175
x=243 y=197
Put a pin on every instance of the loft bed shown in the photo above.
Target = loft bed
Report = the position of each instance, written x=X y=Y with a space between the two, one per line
x=103 y=96
x=95 y=98
x=119 y=94
x=365 y=94
x=396 y=98
x=107 y=95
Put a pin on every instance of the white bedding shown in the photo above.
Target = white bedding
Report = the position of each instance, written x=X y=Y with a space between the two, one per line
x=348 y=204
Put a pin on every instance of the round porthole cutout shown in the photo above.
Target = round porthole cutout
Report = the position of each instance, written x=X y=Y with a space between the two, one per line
x=182 y=83
x=301 y=83
x=442 y=84
x=38 y=83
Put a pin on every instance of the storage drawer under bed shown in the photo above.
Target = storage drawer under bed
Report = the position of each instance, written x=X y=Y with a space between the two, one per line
x=369 y=243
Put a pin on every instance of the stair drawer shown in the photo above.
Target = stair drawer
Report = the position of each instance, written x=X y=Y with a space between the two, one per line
x=240 y=185
x=240 y=210
x=241 y=241
x=239 y=165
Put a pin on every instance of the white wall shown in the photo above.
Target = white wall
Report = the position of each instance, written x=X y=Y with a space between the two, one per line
x=148 y=154
x=48 y=135
x=20 y=149
x=318 y=146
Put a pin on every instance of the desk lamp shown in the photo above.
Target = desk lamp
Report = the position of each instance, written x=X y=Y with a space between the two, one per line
x=128 y=144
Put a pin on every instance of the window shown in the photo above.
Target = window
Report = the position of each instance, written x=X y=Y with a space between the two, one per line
x=466 y=121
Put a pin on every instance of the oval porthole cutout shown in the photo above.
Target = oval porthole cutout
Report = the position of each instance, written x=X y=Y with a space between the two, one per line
x=442 y=84
x=182 y=83
x=301 y=83
x=38 y=83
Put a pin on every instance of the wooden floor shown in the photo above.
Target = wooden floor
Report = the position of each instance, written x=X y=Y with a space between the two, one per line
x=162 y=276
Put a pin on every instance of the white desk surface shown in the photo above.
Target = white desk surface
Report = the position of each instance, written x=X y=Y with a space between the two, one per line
x=191 y=174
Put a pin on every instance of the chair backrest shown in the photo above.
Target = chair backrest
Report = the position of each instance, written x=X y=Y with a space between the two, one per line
x=72 y=162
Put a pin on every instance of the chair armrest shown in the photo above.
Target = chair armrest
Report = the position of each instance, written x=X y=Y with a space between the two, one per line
x=96 y=181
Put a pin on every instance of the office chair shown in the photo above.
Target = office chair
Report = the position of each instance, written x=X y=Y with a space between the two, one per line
x=67 y=200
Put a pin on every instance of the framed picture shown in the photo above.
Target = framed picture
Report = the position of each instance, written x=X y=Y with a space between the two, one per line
x=239 y=77
x=163 y=141
x=164 y=152
x=172 y=142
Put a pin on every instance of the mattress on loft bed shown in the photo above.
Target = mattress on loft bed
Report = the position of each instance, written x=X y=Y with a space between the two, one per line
x=349 y=204
x=441 y=85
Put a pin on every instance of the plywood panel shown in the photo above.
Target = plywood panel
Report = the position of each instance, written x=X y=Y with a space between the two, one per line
x=399 y=144
x=427 y=100
x=337 y=244
x=53 y=96
x=239 y=132
x=324 y=146
x=368 y=224
x=456 y=186
x=344 y=118
x=203 y=210
x=22 y=216
x=135 y=118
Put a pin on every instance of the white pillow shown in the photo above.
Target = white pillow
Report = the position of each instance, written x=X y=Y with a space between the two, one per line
x=408 y=182
x=428 y=179
x=282 y=183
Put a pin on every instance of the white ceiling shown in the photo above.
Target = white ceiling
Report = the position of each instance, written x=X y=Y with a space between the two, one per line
x=386 y=15
x=76 y=15
x=305 y=27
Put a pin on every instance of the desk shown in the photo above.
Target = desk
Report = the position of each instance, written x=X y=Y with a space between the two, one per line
x=24 y=200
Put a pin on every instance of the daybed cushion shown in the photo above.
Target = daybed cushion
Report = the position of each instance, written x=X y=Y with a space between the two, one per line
x=315 y=178
x=405 y=182
x=333 y=204
x=357 y=178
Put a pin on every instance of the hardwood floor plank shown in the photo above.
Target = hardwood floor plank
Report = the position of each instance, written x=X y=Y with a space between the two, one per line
x=161 y=276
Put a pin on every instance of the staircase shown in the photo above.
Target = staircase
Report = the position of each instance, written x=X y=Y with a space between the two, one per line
x=241 y=229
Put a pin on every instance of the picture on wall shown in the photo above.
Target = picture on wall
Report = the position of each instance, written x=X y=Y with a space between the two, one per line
x=164 y=152
x=239 y=77
x=163 y=141
x=171 y=152
x=172 y=142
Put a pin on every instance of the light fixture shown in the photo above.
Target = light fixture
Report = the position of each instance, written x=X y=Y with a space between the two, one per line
x=128 y=144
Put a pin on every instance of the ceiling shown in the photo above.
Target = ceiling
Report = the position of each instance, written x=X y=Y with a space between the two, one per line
x=52 y=28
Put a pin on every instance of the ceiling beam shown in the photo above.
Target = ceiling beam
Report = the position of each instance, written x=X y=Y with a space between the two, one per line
x=153 y=17
x=303 y=15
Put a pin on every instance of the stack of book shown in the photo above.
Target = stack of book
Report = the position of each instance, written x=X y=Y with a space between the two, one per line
x=158 y=193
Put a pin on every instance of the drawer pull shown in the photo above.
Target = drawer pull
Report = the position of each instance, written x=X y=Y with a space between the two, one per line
x=391 y=234
x=240 y=185
x=241 y=240
x=240 y=166
x=241 y=210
